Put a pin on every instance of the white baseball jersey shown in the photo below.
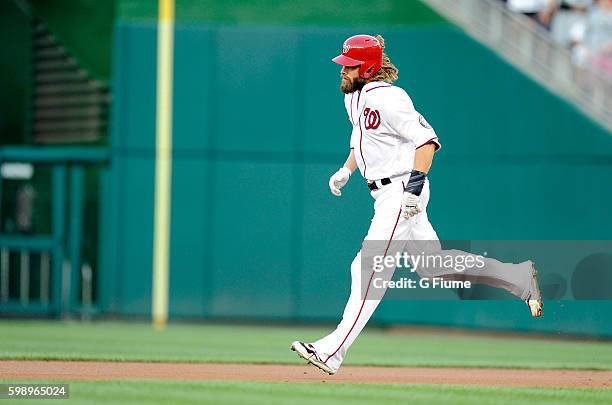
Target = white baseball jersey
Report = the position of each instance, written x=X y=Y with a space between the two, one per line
x=387 y=130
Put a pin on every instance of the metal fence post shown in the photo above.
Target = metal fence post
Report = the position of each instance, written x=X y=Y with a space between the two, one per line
x=58 y=220
x=1 y=224
x=77 y=175
x=4 y=275
x=86 y=291
x=24 y=277
x=44 y=278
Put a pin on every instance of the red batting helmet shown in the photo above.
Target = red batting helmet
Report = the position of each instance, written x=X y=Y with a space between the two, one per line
x=363 y=51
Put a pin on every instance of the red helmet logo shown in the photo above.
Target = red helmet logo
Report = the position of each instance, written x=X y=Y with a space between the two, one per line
x=363 y=51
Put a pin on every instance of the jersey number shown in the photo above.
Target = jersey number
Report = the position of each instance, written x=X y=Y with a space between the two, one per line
x=372 y=119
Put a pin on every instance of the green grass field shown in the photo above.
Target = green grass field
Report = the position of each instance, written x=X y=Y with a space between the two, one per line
x=225 y=392
x=257 y=344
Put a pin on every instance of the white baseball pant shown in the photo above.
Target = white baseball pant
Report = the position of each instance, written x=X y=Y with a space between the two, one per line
x=389 y=225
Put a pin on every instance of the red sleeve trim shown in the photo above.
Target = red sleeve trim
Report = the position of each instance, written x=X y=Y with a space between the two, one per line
x=378 y=87
x=431 y=141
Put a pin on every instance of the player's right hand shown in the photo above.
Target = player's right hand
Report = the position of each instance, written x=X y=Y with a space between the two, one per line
x=410 y=205
x=339 y=180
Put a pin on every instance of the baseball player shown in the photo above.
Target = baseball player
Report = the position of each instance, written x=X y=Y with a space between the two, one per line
x=393 y=146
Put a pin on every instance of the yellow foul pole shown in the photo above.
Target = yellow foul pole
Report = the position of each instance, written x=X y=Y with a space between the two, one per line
x=163 y=162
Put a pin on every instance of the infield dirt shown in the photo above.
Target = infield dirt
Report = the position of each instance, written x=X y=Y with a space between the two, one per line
x=93 y=370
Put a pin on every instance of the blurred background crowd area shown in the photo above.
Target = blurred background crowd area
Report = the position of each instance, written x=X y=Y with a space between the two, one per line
x=584 y=26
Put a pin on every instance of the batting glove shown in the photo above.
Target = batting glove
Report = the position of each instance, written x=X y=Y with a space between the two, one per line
x=410 y=205
x=339 y=180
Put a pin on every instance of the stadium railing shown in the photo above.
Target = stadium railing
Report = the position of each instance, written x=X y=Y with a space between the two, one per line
x=533 y=51
x=60 y=263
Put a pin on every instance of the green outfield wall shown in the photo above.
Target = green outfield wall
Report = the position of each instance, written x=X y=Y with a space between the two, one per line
x=259 y=126
x=286 y=12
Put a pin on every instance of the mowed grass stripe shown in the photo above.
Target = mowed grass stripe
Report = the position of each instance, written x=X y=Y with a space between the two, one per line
x=222 y=392
x=117 y=341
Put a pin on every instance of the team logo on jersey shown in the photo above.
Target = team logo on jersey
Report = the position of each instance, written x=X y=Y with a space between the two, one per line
x=372 y=119
x=424 y=122
x=345 y=48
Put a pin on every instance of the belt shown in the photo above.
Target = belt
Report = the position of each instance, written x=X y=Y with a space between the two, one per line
x=376 y=184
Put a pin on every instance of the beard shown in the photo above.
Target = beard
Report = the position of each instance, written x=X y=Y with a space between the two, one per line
x=350 y=86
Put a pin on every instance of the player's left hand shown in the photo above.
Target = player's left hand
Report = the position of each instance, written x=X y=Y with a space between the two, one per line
x=410 y=205
x=339 y=180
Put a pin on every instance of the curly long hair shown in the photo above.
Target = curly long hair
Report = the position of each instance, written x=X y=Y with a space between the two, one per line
x=388 y=72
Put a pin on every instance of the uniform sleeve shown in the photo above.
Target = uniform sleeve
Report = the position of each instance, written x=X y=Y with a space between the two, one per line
x=348 y=104
x=354 y=141
x=399 y=112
